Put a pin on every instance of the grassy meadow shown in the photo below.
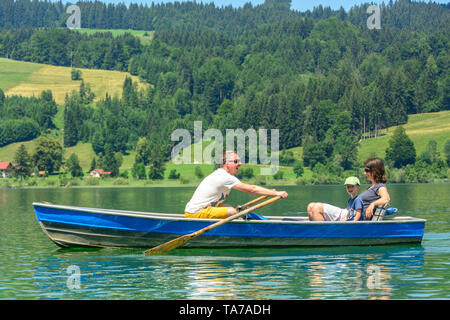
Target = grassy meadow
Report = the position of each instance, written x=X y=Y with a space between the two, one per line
x=145 y=36
x=33 y=78
x=12 y=72
x=421 y=128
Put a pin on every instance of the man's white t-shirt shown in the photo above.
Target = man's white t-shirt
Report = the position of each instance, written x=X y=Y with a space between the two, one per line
x=213 y=188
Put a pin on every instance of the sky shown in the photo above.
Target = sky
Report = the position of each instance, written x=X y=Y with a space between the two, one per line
x=301 y=5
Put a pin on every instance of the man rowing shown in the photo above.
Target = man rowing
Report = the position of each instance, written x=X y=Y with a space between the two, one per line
x=207 y=199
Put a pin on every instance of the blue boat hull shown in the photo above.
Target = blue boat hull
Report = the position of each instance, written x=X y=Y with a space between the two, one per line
x=88 y=227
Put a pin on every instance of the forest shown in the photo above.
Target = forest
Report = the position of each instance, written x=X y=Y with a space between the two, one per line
x=321 y=77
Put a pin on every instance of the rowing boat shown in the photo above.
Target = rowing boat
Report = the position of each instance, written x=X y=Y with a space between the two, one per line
x=71 y=226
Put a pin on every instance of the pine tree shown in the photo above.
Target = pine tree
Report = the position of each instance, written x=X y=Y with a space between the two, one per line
x=47 y=154
x=157 y=168
x=447 y=152
x=22 y=163
x=2 y=97
x=112 y=160
x=401 y=150
x=73 y=166
x=71 y=114
x=298 y=168
x=93 y=164
x=138 y=170
x=427 y=87
x=143 y=151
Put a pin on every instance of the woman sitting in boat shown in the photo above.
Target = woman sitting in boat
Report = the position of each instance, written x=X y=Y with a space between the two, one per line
x=214 y=189
x=375 y=196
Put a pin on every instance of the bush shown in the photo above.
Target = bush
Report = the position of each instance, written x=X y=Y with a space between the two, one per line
x=74 y=182
x=124 y=174
x=397 y=176
x=287 y=158
x=279 y=175
x=156 y=172
x=75 y=74
x=298 y=169
x=50 y=182
x=184 y=180
x=173 y=175
x=245 y=173
x=63 y=180
x=261 y=180
x=92 y=181
x=32 y=182
x=304 y=181
x=120 y=181
x=198 y=172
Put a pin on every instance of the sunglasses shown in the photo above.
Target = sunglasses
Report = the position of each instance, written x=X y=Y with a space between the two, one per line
x=367 y=170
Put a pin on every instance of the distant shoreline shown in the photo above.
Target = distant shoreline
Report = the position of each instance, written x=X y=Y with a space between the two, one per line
x=155 y=184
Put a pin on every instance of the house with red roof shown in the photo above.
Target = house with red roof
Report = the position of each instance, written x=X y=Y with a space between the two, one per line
x=99 y=172
x=5 y=168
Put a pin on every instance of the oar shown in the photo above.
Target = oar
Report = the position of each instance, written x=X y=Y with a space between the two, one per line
x=252 y=214
x=240 y=207
x=175 y=243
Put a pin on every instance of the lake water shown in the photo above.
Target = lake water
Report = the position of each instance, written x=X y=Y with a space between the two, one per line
x=33 y=267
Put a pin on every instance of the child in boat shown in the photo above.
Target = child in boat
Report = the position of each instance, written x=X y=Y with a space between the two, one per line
x=318 y=211
x=355 y=204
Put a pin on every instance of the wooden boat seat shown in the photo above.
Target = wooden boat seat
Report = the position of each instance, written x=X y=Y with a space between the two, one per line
x=380 y=212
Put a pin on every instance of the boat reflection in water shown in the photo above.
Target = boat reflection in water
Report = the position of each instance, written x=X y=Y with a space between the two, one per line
x=298 y=273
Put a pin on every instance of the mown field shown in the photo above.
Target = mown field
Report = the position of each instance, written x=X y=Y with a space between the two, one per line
x=30 y=79
x=421 y=128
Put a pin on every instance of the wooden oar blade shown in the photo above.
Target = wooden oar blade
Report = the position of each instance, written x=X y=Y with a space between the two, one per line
x=170 y=245
x=175 y=243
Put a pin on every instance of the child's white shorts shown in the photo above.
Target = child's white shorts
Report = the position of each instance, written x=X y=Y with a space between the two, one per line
x=332 y=213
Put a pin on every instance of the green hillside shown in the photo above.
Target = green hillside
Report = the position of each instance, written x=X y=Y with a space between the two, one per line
x=12 y=72
x=421 y=128
x=30 y=79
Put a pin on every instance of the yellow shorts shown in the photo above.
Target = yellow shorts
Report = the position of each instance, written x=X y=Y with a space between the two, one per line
x=209 y=213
